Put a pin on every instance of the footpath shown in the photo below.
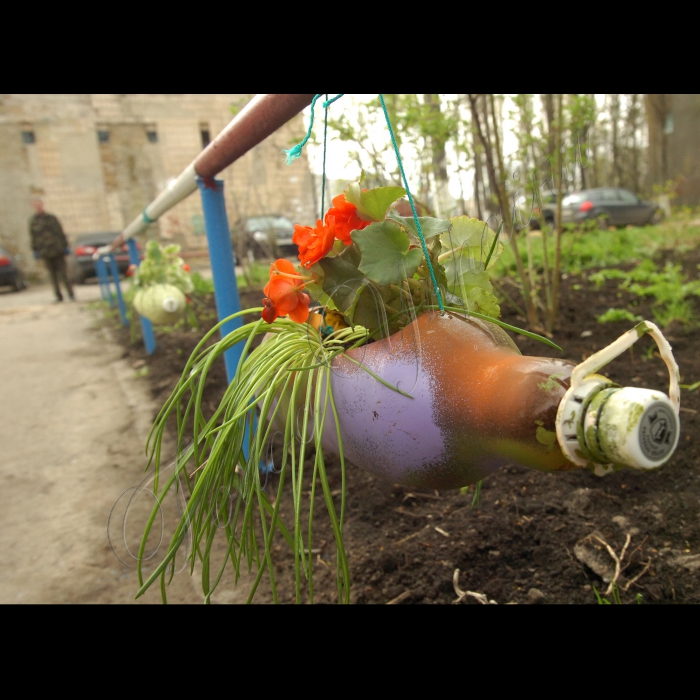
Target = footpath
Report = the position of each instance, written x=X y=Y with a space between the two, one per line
x=74 y=417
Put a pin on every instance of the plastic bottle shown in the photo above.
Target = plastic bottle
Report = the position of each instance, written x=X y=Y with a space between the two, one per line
x=478 y=404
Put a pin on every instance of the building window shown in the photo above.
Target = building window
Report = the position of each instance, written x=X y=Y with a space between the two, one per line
x=28 y=137
x=205 y=135
x=152 y=136
x=103 y=136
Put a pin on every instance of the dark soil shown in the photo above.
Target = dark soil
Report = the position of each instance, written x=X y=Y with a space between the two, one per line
x=533 y=537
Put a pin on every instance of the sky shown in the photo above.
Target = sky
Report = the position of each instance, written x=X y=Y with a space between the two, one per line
x=339 y=165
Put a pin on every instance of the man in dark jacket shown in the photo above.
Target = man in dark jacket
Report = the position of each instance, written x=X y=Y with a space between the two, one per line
x=50 y=243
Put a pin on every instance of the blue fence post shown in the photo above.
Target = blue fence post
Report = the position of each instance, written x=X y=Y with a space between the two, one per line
x=222 y=265
x=146 y=327
x=103 y=278
x=120 y=299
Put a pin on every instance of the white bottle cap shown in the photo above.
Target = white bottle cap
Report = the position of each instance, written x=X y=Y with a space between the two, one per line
x=632 y=427
x=170 y=305
x=604 y=427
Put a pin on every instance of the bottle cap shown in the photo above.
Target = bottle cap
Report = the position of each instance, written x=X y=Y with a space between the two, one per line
x=170 y=305
x=632 y=427
x=605 y=426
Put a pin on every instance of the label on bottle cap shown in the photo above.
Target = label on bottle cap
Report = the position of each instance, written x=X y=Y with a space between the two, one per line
x=657 y=431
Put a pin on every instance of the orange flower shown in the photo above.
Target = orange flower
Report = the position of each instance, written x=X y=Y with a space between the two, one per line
x=186 y=267
x=313 y=243
x=284 y=295
x=345 y=218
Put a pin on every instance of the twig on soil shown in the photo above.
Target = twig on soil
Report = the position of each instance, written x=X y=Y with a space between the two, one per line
x=638 y=576
x=442 y=532
x=616 y=559
x=415 y=534
x=630 y=558
x=481 y=597
x=409 y=514
x=421 y=495
x=400 y=598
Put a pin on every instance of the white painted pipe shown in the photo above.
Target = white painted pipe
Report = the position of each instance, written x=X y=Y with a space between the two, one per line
x=183 y=187
x=263 y=115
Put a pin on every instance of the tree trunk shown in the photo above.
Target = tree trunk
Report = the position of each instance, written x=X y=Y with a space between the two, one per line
x=548 y=102
x=556 y=273
x=614 y=139
x=527 y=296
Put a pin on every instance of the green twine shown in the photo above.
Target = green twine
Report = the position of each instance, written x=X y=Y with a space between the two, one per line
x=325 y=138
x=413 y=207
x=328 y=102
x=147 y=218
x=295 y=152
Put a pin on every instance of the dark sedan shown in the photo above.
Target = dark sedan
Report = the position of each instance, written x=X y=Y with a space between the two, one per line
x=83 y=266
x=613 y=205
x=10 y=274
x=265 y=236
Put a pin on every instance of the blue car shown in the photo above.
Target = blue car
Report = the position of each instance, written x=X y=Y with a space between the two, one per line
x=10 y=274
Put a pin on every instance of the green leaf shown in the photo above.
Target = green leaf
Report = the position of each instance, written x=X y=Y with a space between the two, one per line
x=350 y=293
x=470 y=239
x=342 y=281
x=351 y=254
x=474 y=288
x=373 y=204
x=429 y=225
x=366 y=308
x=384 y=246
x=467 y=247
x=479 y=296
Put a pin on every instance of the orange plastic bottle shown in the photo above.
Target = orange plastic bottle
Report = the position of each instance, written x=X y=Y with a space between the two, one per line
x=476 y=404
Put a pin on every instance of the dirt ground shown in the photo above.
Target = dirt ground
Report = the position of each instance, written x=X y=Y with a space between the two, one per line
x=74 y=417
x=533 y=537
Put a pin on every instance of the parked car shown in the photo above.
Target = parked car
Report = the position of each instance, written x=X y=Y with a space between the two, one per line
x=614 y=205
x=549 y=206
x=82 y=266
x=268 y=236
x=10 y=274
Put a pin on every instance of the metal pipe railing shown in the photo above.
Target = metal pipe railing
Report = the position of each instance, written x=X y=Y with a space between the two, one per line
x=262 y=116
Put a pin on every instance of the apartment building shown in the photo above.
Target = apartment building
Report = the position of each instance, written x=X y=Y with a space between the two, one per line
x=98 y=159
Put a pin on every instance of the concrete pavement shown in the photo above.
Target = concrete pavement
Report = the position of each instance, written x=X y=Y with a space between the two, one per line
x=74 y=417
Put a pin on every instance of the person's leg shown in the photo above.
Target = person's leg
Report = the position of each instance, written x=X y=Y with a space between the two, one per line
x=53 y=272
x=63 y=276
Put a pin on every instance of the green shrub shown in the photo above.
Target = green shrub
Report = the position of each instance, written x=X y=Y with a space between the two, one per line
x=612 y=315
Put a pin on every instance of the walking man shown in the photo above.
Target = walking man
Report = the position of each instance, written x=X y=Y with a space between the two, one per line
x=50 y=243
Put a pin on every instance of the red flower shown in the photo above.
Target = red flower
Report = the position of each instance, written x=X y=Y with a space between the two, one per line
x=284 y=295
x=345 y=218
x=314 y=243
x=186 y=267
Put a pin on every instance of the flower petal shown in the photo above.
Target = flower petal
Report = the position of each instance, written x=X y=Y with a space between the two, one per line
x=301 y=312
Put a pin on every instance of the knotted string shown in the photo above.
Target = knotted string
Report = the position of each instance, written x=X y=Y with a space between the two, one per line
x=295 y=152
x=325 y=140
x=413 y=207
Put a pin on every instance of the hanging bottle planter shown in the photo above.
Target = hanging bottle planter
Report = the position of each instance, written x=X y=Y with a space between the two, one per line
x=384 y=347
x=477 y=404
x=161 y=283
